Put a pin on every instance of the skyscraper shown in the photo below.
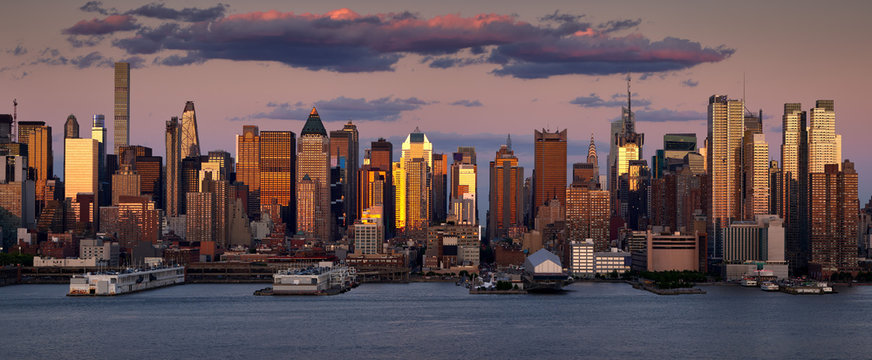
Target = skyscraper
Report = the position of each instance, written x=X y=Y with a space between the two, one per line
x=190 y=142
x=125 y=182
x=248 y=165
x=794 y=186
x=98 y=132
x=412 y=183
x=173 y=168
x=81 y=168
x=344 y=148
x=464 y=178
x=40 y=160
x=506 y=193
x=587 y=215
x=626 y=145
x=313 y=161
x=756 y=169
x=725 y=130
x=833 y=205
x=549 y=178
x=71 y=127
x=381 y=157
x=823 y=147
x=122 y=105
x=278 y=165
x=439 y=188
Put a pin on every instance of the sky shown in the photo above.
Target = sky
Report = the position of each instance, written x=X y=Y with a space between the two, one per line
x=467 y=73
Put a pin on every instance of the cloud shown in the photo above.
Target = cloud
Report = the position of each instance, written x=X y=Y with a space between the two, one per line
x=690 y=83
x=18 y=50
x=663 y=115
x=78 y=41
x=343 y=109
x=594 y=101
x=51 y=56
x=159 y=11
x=177 y=60
x=108 y=25
x=345 y=41
x=97 y=7
x=467 y=103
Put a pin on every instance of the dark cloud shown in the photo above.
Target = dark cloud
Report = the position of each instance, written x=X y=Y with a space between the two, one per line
x=108 y=25
x=18 y=50
x=97 y=7
x=50 y=56
x=177 y=60
x=618 y=25
x=467 y=103
x=690 y=83
x=93 y=59
x=594 y=101
x=159 y=11
x=78 y=41
x=343 y=109
x=663 y=115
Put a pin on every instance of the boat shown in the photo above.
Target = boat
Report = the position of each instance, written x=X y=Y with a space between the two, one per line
x=749 y=282
x=323 y=279
x=769 y=286
x=110 y=283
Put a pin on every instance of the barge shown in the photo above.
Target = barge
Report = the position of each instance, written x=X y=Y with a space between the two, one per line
x=110 y=283
x=324 y=279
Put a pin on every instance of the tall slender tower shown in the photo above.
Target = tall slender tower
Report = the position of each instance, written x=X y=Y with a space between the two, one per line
x=726 y=120
x=549 y=178
x=174 y=167
x=506 y=192
x=98 y=132
x=40 y=160
x=833 y=204
x=822 y=142
x=190 y=138
x=122 y=105
x=381 y=157
x=439 y=189
x=278 y=165
x=756 y=168
x=464 y=178
x=248 y=165
x=412 y=176
x=313 y=163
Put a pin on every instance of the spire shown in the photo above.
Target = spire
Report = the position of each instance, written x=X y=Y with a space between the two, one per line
x=509 y=141
x=629 y=96
x=314 y=125
x=591 y=151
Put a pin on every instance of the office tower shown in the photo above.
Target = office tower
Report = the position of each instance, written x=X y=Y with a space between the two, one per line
x=675 y=148
x=313 y=160
x=16 y=193
x=344 y=148
x=549 y=177
x=27 y=127
x=373 y=188
x=133 y=220
x=464 y=178
x=6 y=121
x=439 y=188
x=122 y=105
x=248 y=165
x=833 y=203
x=412 y=176
x=200 y=219
x=381 y=157
x=633 y=195
x=223 y=200
x=506 y=193
x=223 y=162
x=278 y=163
x=725 y=130
x=98 y=132
x=754 y=122
x=190 y=139
x=308 y=198
x=776 y=185
x=369 y=233
x=71 y=127
x=823 y=146
x=40 y=160
x=587 y=173
x=626 y=144
x=756 y=170
x=189 y=177
x=81 y=168
x=125 y=182
x=151 y=178
x=173 y=168
x=794 y=185
x=588 y=214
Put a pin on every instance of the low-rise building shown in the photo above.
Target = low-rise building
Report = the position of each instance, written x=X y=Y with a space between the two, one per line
x=103 y=251
x=581 y=258
x=67 y=262
x=612 y=261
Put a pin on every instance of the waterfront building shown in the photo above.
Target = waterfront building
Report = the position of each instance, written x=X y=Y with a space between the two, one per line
x=667 y=252
x=613 y=261
x=172 y=187
x=122 y=105
x=506 y=193
x=452 y=244
x=133 y=221
x=549 y=176
x=587 y=215
x=833 y=205
x=581 y=258
x=313 y=166
x=103 y=251
x=248 y=165
x=190 y=138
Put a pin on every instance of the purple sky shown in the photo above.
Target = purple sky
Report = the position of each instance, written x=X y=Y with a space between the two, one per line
x=467 y=73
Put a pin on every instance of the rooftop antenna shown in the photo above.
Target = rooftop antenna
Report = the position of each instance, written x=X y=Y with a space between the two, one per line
x=14 y=117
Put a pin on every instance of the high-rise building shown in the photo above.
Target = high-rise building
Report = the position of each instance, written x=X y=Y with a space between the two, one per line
x=16 y=191
x=369 y=232
x=248 y=165
x=726 y=119
x=675 y=148
x=200 y=219
x=464 y=178
x=98 y=132
x=626 y=146
x=125 y=182
x=506 y=193
x=71 y=127
x=588 y=215
x=189 y=176
x=756 y=170
x=833 y=206
x=190 y=139
x=151 y=178
x=81 y=168
x=549 y=177
x=278 y=165
x=381 y=157
x=823 y=146
x=587 y=173
x=40 y=160
x=173 y=168
x=313 y=160
x=439 y=188
x=344 y=149
x=122 y=105
x=308 y=197
x=412 y=182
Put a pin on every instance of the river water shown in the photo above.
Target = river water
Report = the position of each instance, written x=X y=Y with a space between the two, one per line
x=433 y=321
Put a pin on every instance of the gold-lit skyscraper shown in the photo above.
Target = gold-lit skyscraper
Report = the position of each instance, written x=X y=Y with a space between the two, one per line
x=588 y=214
x=313 y=161
x=40 y=160
x=190 y=138
x=506 y=192
x=412 y=183
x=833 y=203
x=726 y=119
x=277 y=171
x=824 y=147
x=248 y=165
x=81 y=168
x=550 y=167
x=122 y=105
x=756 y=167
x=464 y=178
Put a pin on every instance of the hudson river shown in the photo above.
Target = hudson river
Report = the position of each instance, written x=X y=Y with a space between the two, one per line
x=434 y=321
